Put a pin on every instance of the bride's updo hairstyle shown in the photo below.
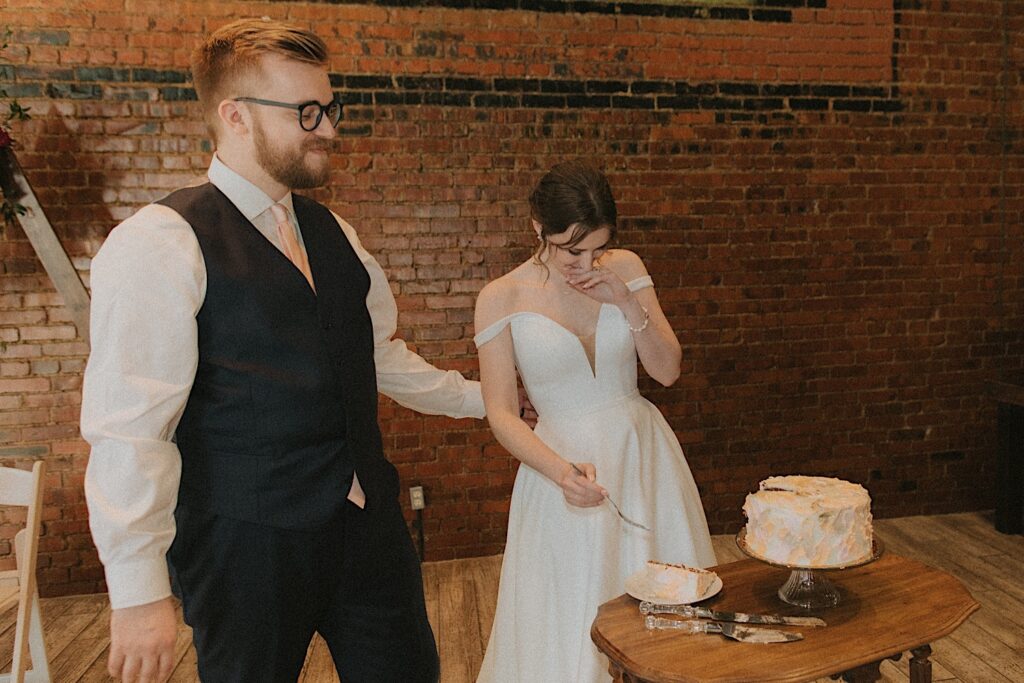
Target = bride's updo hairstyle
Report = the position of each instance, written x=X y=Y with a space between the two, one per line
x=572 y=195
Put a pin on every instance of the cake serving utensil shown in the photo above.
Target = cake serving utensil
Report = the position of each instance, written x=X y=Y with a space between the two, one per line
x=693 y=612
x=624 y=518
x=745 y=634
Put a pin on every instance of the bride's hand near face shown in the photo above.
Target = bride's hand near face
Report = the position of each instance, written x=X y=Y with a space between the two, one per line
x=655 y=341
x=606 y=286
x=602 y=285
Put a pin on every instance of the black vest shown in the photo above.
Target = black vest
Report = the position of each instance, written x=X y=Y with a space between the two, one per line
x=284 y=402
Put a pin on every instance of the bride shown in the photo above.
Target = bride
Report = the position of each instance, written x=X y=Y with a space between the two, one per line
x=572 y=322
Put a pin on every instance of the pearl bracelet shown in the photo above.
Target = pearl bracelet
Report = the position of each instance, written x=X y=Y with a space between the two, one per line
x=647 y=321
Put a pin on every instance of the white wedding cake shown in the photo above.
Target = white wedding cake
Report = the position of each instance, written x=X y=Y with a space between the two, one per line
x=809 y=521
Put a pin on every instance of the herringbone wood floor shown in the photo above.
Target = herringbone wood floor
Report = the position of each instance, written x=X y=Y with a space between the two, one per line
x=989 y=648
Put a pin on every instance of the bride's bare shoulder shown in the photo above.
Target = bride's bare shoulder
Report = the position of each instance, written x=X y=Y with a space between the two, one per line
x=499 y=295
x=504 y=295
x=512 y=282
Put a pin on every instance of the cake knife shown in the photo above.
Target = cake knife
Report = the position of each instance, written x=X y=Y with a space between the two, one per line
x=745 y=634
x=647 y=607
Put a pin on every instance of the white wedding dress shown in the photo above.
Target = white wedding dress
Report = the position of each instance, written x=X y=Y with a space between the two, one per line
x=561 y=562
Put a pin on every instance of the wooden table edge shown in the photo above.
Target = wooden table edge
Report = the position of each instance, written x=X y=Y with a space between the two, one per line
x=882 y=654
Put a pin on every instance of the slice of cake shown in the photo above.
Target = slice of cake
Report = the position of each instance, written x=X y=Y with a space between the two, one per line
x=809 y=521
x=677 y=582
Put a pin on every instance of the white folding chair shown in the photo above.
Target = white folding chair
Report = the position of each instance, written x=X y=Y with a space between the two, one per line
x=18 y=586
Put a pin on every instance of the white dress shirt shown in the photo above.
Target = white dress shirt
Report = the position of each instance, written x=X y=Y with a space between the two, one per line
x=148 y=284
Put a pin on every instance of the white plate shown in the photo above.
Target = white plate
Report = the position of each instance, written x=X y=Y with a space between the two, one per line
x=640 y=588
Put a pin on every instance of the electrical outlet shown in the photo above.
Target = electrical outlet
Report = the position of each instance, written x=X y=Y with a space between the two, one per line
x=416 y=497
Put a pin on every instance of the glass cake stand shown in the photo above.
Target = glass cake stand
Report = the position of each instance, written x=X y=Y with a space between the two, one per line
x=807 y=586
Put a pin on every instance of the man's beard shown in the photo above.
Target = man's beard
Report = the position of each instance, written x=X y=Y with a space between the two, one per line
x=288 y=167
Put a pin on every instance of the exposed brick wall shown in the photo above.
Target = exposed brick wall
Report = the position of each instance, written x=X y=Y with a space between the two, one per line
x=827 y=192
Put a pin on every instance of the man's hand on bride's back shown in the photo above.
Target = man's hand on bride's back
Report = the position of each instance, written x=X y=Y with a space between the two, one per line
x=526 y=411
x=579 y=485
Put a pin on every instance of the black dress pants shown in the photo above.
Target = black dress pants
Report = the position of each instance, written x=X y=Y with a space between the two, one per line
x=255 y=595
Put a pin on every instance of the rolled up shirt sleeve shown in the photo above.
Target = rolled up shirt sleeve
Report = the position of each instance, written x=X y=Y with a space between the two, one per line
x=148 y=282
x=403 y=375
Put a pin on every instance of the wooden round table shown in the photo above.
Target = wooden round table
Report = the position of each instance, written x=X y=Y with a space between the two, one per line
x=888 y=607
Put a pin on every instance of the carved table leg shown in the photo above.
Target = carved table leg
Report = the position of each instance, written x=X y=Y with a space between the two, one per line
x=920 y=665
x=619 y=675
x=865 y=673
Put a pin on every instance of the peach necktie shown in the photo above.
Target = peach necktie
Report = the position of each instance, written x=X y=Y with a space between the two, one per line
x=290 y=242
x=293 y=250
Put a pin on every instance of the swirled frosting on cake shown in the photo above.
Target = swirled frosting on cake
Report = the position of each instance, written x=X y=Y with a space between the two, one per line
x=809 y=521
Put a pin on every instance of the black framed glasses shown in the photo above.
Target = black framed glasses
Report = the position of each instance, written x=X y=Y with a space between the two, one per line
x=310 y=113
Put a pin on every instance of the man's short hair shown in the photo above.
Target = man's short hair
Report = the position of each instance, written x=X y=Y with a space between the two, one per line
x=229 y=58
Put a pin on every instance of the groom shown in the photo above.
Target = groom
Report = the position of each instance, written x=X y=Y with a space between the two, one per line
x=240 y=335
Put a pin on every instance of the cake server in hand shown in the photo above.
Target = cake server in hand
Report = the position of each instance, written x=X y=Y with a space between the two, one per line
x=740 y=617
x=744 y=634
x=623 y=517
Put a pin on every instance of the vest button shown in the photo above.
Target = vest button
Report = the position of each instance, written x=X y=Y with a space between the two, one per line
x=326 y=324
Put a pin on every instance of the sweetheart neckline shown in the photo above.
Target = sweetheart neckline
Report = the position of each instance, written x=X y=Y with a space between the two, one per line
x=592 y=365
